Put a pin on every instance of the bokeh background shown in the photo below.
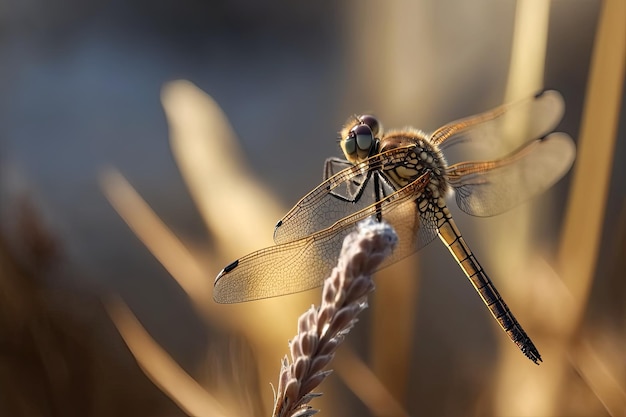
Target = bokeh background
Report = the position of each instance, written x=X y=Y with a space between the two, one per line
x=125 y=191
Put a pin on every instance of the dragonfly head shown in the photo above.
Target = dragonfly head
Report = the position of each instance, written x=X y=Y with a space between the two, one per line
x=360 y=138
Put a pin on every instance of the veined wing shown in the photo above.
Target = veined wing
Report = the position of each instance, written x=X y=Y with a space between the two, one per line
x=357 y=187
x=492 y=187
x=305 y=263
x=508 y=126
x=334 y=165
x=348 y=191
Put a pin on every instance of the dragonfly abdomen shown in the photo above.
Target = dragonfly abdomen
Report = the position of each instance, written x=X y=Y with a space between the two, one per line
x=451 y=237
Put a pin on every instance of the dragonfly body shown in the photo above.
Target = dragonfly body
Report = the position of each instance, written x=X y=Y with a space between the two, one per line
x=402 y=177
x=423 y=156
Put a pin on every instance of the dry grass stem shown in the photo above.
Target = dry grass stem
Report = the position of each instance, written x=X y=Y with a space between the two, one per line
x=166 y=247
x=514 y=229
x=53 y=361
x=160 y=367
x=367 y=385
x=321 y=330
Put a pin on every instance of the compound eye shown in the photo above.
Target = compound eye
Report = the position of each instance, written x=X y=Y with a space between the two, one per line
x=364 y=137
x=372 y=122
x=349 y=145
x=358 y=144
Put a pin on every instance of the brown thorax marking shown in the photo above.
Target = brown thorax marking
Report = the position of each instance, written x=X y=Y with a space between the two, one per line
x=422 y=156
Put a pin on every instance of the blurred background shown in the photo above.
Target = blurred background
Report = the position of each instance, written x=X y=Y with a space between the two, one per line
x=115 y=178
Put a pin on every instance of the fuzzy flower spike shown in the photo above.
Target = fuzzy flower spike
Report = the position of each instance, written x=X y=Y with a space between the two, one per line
x=321 y=330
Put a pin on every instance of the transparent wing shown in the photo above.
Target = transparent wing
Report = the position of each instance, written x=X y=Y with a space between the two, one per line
x=334 y=165
x=305 y=263
x=348 y=191
x=493 y=187
x=506 y=127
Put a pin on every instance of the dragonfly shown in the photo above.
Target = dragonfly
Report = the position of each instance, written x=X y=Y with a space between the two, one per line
x=402 y=177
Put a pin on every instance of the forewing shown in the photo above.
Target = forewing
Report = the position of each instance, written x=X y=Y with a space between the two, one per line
x=334 y=165
x=506 y=127
x=305 y=263
x=493 y=187
x=414 y=229
x=344 y=193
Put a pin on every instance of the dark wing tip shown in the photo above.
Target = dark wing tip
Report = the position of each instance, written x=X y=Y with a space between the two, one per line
x=278 y=224
x=226 y=270
x=218 y=290
x=229 y=267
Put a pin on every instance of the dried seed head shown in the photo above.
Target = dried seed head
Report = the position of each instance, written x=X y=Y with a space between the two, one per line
x=321 y=330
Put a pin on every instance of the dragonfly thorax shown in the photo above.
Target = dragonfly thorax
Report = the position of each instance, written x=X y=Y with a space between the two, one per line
x=421 y=156
x=362 y=137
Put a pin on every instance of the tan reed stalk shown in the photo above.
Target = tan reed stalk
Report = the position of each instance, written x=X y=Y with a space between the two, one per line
x=322 y=329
